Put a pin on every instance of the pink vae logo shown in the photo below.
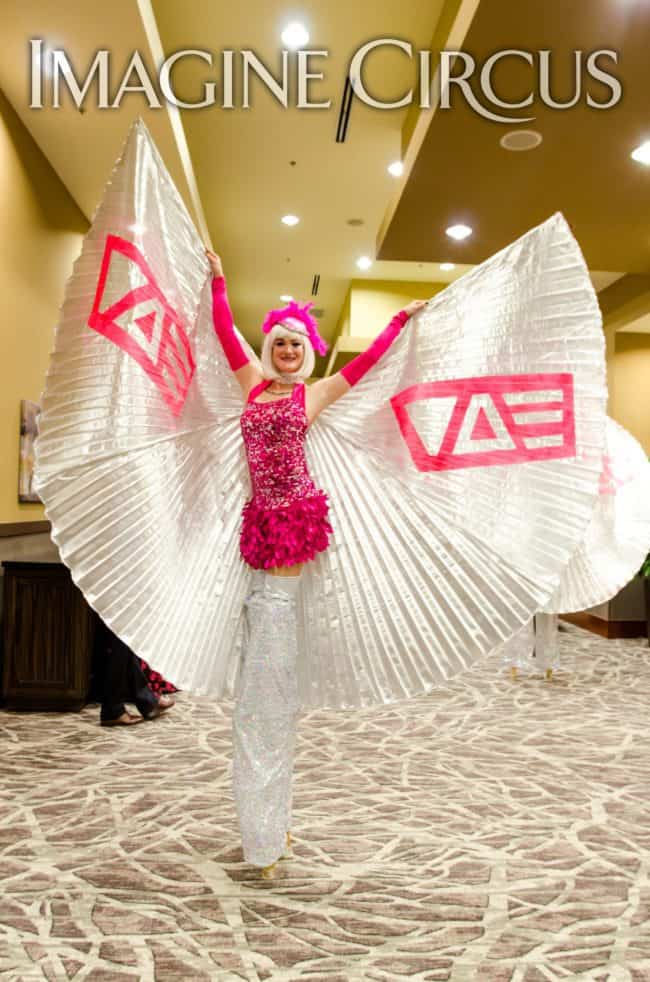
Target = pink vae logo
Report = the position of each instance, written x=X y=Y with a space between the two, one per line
x=160 y=344
x=487 y=420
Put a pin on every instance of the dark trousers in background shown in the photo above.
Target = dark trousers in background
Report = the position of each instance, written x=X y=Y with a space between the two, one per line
x=119 y=678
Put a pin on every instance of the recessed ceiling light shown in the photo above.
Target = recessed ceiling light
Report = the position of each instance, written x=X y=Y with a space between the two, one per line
x=445 y=267
x=364 y=262
x=459 y=232
x=295 y=35
x=286 y=298
x=290 y=219
x=137 y=229
x=642 y=153
x=396 y=168
x=519 y=140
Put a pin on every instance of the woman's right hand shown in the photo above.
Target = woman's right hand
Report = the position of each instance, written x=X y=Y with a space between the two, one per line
x=215 y=263
x=415 y=305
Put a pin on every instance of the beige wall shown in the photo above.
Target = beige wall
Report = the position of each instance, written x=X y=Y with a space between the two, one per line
x=42 y=230
x=630 y=395
x=626 y=301
x=343 y=325
x=374 y=302
x=369 y=306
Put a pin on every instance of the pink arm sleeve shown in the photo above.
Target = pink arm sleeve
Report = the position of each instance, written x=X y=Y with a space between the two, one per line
x=354 y=371
x=224 y=327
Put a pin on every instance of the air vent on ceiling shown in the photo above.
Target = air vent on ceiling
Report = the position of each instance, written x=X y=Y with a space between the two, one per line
x=344 y=113
x=315 y=283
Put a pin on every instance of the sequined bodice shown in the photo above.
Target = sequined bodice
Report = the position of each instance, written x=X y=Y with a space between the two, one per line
x=274 y=438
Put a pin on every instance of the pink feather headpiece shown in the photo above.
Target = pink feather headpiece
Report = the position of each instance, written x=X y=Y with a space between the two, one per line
x=295 y=311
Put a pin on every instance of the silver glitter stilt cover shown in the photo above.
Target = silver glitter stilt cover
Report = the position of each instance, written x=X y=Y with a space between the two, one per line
x=534 y=647
x=462 y=470
x=264 y=719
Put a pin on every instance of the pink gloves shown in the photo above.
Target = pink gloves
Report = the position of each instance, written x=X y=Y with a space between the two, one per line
x=354 y=371
x=224 y=327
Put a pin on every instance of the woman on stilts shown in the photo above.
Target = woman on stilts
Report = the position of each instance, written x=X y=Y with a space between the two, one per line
x=284 y=525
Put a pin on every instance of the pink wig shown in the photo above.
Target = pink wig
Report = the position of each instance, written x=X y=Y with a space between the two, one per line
x=298 y=313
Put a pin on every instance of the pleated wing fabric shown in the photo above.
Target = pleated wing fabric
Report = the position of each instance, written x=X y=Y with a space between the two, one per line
x=139 y=457
x=461 y=472
x=617 y=539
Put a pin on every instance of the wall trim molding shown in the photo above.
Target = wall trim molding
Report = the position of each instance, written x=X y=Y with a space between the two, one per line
x=607 y=629
x=8 y=529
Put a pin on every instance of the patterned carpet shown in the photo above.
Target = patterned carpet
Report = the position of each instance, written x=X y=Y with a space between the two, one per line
x=497 y=831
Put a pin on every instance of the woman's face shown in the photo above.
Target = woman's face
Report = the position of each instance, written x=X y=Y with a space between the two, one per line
x=287 y=354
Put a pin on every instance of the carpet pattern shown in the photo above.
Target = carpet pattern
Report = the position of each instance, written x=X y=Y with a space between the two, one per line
x=496 y=830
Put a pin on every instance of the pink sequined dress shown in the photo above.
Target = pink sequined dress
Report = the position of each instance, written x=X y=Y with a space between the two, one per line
x=285 y=521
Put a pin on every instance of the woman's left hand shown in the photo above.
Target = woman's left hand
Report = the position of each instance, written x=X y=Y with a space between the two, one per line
x=414 y=306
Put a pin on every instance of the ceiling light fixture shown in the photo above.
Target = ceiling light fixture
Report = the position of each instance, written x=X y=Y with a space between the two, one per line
x=364 y=262
x=642 y=154
x=446 y=267
x=290 y=219
x=396 y=168
x=459 y=232
x=295 y=35
x=519 y=140
x=285 y=298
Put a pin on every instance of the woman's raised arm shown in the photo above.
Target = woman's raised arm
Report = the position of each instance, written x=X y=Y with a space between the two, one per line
x=245 y=373
x=323 y=393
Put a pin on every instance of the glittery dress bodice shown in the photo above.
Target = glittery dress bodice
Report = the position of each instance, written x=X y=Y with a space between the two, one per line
x=274 y=438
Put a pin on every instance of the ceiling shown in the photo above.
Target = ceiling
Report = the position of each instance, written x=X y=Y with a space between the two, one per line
x=240 y=170
x=460 y=172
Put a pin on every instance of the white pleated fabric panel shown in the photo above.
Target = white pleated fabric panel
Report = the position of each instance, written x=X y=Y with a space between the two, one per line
x=429 y=570
x=401 y=600
x=426 y=571
x=144 y=504
x=617 y=539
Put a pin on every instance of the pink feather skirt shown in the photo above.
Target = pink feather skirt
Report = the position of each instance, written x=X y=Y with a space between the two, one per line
x=286 y=535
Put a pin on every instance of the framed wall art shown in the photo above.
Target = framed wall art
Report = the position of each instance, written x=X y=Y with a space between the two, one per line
x=28 y=429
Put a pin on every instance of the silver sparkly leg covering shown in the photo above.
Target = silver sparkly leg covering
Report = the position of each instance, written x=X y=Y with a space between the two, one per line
x=547 y=648
x=517 y=651
x=265 y=717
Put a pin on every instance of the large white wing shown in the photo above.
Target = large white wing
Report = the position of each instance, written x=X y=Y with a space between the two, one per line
x=139 y=459
x=462 y=473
